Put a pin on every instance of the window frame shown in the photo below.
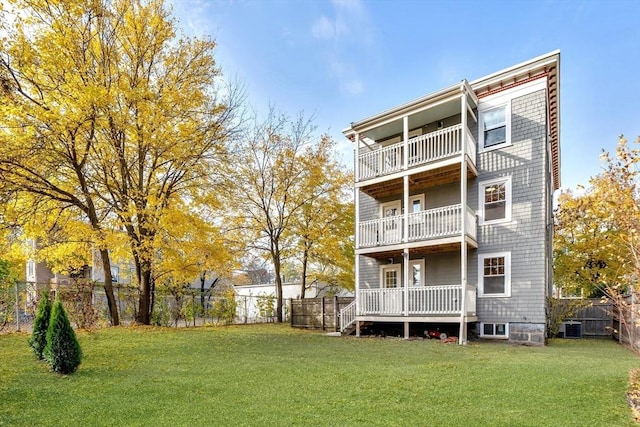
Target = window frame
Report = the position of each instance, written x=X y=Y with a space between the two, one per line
x=420 y=264
x=507 y=275
x=494 y=336
x=508 y=200
x=506 y=105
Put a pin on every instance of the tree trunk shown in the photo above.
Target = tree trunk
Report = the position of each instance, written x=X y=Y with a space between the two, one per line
x=276 y=268
x=203 y=276
x=108 y=287
x=305 y=261
x=143 y=271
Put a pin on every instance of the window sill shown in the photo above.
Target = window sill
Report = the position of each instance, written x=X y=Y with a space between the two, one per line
x=494 y=147
x=495 y=221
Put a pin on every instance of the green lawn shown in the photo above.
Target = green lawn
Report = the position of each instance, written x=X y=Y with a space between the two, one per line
x=270 y=375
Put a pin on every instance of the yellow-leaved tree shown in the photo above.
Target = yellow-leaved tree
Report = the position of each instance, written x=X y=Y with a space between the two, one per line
x=286 y=174
x=107 y=110
x=597 y=231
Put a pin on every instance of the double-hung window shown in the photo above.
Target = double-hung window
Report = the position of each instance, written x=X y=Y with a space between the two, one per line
x=495 y=127
x=495 y=201
x=494 y=274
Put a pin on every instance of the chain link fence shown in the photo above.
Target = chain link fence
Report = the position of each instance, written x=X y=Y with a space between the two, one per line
x=86 y=305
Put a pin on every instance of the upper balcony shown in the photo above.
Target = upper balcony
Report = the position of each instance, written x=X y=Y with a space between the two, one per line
x=428 y=140
x=430 y=151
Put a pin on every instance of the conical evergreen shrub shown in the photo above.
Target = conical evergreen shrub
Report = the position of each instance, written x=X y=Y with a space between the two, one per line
x=63 y=351
x=38 y=339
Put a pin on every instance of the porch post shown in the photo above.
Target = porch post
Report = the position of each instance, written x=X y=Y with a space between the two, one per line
x=357 y=290
x=356 y=154
x=405 y=138
x=463 y=218
x=406 y=272
x=355 y=193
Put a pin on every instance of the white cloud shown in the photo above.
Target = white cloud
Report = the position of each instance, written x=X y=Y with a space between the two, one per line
x=323 y=28
x=348 y=28
x=348 y=81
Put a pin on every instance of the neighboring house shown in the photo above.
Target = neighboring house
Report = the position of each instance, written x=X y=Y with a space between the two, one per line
x=247 y=297
x=39 y=275
x=454 y=206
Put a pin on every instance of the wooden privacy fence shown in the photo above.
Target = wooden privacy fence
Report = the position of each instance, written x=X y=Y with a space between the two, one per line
x=595 y=319
x=318 y=313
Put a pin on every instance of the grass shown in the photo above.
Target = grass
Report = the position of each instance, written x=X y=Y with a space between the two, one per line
x=271 y=375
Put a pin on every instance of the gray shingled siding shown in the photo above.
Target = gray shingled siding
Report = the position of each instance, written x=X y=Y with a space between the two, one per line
x=369 y=273
x=525 y=235
x=369 y=207
x=442 y=269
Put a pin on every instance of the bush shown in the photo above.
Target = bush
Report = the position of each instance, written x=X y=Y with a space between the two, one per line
x=225 y=307
x=63 y=351
x=633 y=396
x=38 y=340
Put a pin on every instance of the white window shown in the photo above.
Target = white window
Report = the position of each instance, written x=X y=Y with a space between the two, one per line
x=494 y=197
x=115 y=274
x=494 y=330
x=495 y=127
x=31 y=270
x=494 y=275
x=416 y=272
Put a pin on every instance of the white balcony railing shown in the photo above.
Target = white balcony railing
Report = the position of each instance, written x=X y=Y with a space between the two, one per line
x=423 y=149
x=429 y=224
x=422 y=300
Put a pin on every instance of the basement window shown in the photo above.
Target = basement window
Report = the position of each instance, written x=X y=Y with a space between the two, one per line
x=494 y=330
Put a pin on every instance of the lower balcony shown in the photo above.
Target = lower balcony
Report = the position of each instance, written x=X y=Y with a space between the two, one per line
x=431 y=224
x=433 y=303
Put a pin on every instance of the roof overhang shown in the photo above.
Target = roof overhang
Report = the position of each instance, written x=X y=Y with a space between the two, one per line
x=447 y=100
x=545 y=66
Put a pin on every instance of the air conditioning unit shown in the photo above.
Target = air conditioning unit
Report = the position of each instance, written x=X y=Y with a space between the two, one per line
x=571 y=329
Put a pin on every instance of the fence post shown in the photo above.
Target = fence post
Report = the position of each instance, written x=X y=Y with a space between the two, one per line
x=291 y=311
x=17 y=309
x=336 y=314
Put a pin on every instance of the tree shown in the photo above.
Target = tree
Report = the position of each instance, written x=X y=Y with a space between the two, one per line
x=50 y=99
x=281 y=172
x=597 y=240
x=323 y=234
x=109 y=112
x=62 y=352
x=38 y=340
x=596 y=244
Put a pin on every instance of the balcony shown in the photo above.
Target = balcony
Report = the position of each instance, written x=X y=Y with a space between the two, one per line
x=431 y=224
x=443 y=300
x=429 y=150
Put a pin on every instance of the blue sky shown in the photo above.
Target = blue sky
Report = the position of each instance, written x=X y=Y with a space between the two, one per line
x=345 y=60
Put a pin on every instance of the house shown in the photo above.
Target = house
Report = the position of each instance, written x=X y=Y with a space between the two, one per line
x=453 y=202
x=251 y=298
x=40 y=276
